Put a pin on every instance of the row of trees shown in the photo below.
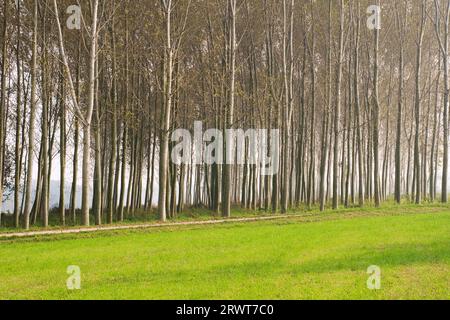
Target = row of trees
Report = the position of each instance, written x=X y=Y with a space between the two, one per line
x=363 y=111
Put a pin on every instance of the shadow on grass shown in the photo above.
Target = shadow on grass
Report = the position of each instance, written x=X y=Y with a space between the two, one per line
x=359 y=260
x=383 y=256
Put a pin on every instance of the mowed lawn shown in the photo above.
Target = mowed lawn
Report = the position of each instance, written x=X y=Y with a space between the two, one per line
x=288 y=259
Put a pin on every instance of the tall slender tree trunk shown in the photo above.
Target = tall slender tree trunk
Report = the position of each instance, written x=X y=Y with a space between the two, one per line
x=97 y=196
x=311 y=173
x=110 y=202
x=375 y=120
x=288 y=51
x=445 y=54
x=357 y=113
x=337 y=110
x=443 y=38
x=43 y=207
x=17 y=171
x=417 y=111
x=124 y=124
x=398 y=145
x=62 y=160
x=31 y=131
x=88 y=118
x=226 y=194
x=435 y=135
x=3 y=99
x=164 y=149
x=325 y=122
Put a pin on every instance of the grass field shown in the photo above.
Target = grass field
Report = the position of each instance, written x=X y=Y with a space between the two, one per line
x=318 y=256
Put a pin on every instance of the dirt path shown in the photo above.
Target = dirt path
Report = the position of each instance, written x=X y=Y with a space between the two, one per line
x=305 y=217
x=137 y=226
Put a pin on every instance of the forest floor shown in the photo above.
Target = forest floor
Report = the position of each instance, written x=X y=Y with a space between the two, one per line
x=305 y=256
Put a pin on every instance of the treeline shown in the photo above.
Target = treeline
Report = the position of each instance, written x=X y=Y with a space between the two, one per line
x=363 y=111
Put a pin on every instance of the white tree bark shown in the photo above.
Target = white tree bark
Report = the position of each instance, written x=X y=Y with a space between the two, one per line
x=168 y=74
x=31 y=132
x=86 y=118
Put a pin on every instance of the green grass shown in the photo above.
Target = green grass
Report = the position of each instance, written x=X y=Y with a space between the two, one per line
x=139 y=217
x=316 y=256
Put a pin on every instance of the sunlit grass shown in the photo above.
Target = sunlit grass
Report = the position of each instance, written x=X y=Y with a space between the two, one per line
x=326 y=258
